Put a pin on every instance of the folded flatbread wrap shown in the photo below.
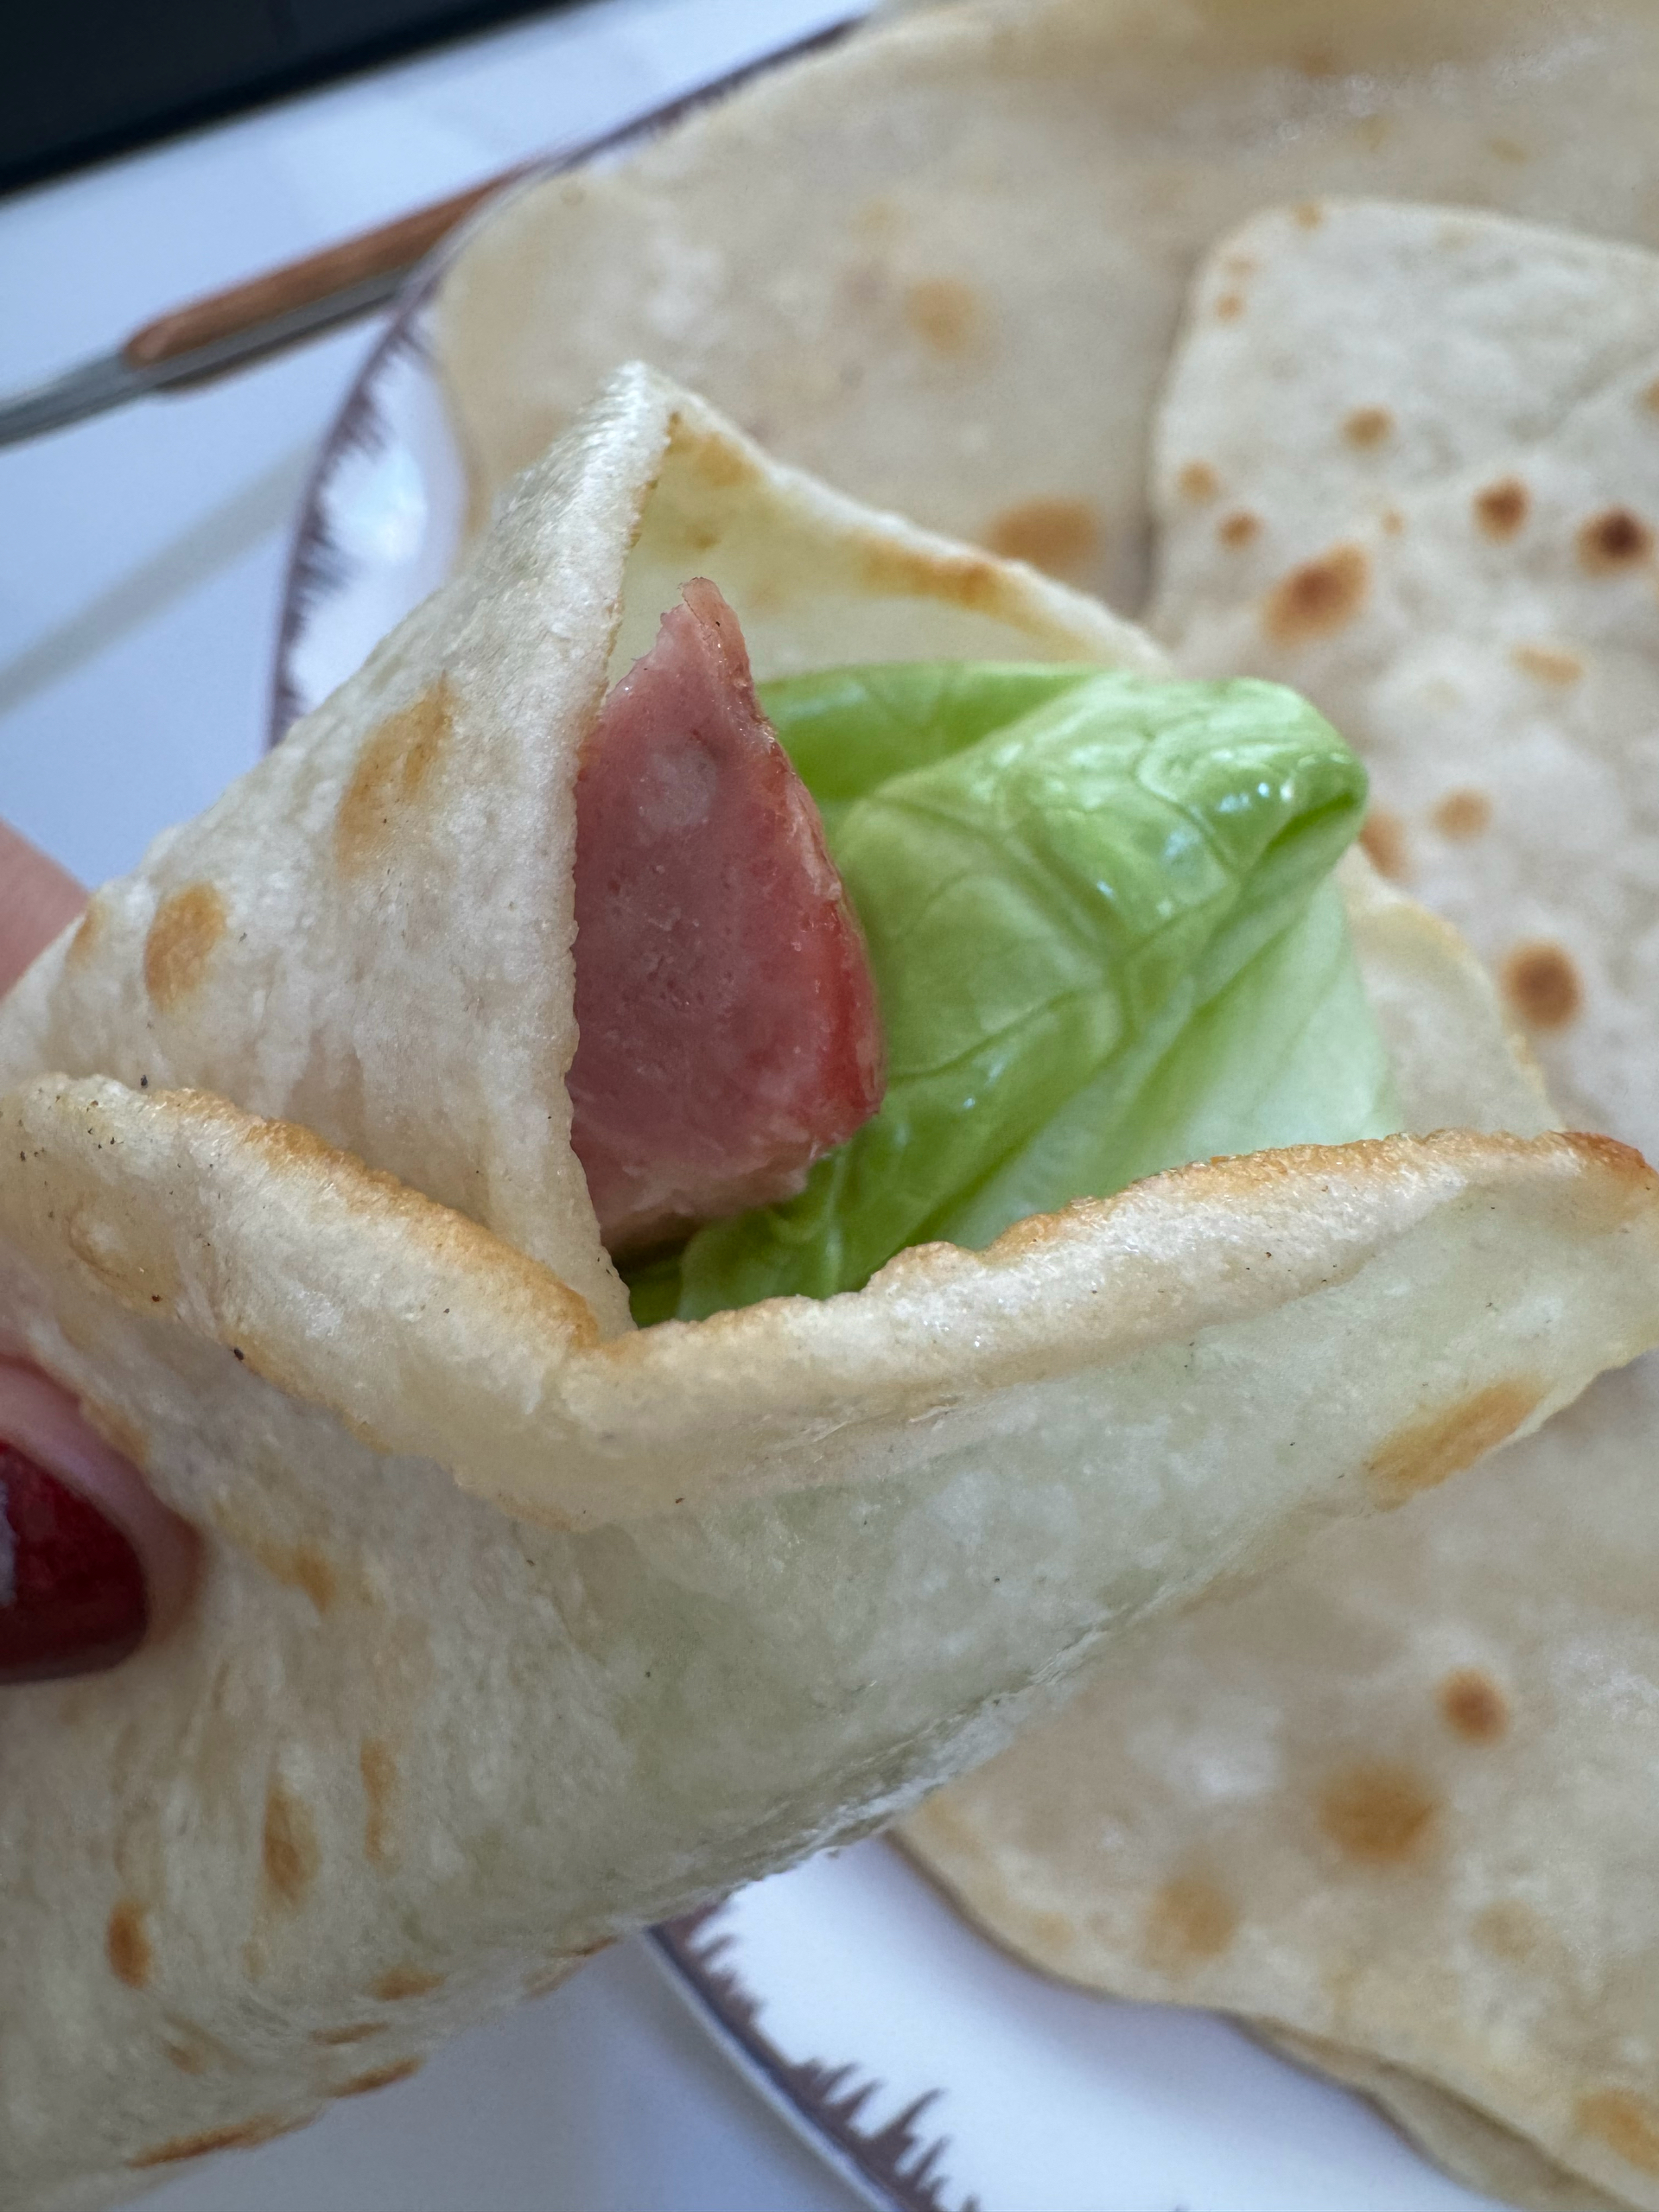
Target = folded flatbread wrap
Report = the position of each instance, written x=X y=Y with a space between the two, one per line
x=1400 y=1801
x=942 y=264
x=286 y=1197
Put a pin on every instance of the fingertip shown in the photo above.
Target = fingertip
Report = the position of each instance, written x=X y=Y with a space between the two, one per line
x=37 y=899
x=42 y=1424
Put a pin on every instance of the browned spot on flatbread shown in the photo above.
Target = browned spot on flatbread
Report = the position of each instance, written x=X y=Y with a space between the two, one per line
x=1473 y=1706
x=1196 y=479
x=1462 y=814
x=1384 y=839
x=353 y=2031
x=1391 y=521
x=126 y=1941
x=1229 y=306
x=1190 y=1919
x=722 y=466
x=241 y=2135
x=1367 y=426
x=1613 y=541
x=1058 y=536
x=1309 y=213
x=1321 y=596
x=186 y=926
x=541 y=1981
x=945 y=313
x=379 y=1771
x=1651 y=397
x=399 y=1982
x=1501 y=508
x=1423 y=1453
x=1510 y=1929
x=1627 y=2124
x=1542 y=985
x=1238 y=528
x=907 y=572
x=303 y=1565
x=289 y=1849
x=189 y=2058
x=1378 y=1812
x=381 y=2078
x=1507 y=150
x=393 y=770
x=1549 y=664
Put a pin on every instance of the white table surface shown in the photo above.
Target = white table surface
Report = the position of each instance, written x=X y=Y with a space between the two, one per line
x=140 y=567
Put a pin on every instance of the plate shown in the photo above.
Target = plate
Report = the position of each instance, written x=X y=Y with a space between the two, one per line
x=931 y=2071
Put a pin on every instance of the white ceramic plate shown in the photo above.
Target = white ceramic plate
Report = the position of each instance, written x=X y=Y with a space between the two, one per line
x=934 y=2073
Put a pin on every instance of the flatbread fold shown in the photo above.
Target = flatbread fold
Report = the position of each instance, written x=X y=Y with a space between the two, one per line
x=286 y=1199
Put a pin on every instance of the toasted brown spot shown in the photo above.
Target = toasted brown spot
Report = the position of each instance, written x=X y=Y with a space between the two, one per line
x=1368 y=426
x=393 y=769
x=1462 y=814
x=186 y=927
x=905 y=572
x=1613 y=541
x=1383 y=837
x=1501 y=508
x=1547 y=662
x=1309 y=213
x=1319 y=597
x=126 y=1940
x=298 y=1567
x=1189 y=1919
x=244 y=2135
x=399 y=1982
x=381 y=2078
x=1627 y=2124
x=944 y=312
x=1239 y=527
x=290 y=1845
x=1058 y=536
x=354 y=2032
x=1392 y=521
x=379 y=1771
x=1196 y=479
x=1229 y=306
x=1425 y=1453
x=1651 y=397
x=1542 y=985
x=1378 y=1812
x=1510 y=1929
x=1473 y=1707
x=722 y=466
x=189 y=2058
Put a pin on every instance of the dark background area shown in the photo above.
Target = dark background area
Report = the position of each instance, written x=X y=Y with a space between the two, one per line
x=80 y=79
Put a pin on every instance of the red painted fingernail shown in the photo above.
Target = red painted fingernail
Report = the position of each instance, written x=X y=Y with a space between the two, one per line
x=72 y=1591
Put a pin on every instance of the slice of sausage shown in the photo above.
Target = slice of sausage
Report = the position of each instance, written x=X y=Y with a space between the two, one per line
x=728 y=1029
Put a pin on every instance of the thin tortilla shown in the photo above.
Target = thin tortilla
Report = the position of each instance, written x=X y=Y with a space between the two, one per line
x=1401 y=1801
x=942 y=264
x=407 y=1755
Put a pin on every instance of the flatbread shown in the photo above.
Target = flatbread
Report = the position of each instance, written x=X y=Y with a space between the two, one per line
x=408 y=1755
x=943 y=264
x=1401 y=1801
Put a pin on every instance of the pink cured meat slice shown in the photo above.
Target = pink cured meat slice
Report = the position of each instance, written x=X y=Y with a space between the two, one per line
x=728 y=1030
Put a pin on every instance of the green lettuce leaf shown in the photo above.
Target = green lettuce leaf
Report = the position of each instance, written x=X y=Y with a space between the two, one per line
x=1103 y=943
